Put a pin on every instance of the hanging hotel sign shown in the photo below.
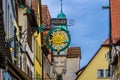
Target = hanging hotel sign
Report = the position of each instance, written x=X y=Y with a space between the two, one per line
x=58 y=21
x=58 y=39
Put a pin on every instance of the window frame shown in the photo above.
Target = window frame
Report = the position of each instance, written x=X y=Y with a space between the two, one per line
x=59 y=77
x=99 y=73
x=107 y=75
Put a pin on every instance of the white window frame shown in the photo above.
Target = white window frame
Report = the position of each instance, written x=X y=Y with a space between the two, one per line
x=107 y=75
x=104 y=73
x=99 y=73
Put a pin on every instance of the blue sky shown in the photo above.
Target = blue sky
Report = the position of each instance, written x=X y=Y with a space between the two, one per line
x=91 y=25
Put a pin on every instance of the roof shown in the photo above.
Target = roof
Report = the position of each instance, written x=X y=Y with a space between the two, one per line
x=79 y=71
x=114 y=41
x=61 y=15
x=115 y=17
x=115 y=20
x=74 y=51
x=106 y=42
x=46 y=17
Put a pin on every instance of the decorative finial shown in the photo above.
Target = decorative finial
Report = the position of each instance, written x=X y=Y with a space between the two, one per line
x=61 y=5
x=61 y=14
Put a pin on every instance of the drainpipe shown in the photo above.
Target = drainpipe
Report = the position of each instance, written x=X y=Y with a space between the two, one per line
x=110 y=38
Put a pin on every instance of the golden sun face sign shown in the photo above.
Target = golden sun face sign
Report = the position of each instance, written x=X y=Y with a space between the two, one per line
x=58 y=39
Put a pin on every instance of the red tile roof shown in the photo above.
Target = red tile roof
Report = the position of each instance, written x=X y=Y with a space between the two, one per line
x=45 y=16
x=73 y=52
x=115 y=16
x=115 y=21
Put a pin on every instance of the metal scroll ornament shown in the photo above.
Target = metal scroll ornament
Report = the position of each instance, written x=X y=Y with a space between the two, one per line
x=58 y=39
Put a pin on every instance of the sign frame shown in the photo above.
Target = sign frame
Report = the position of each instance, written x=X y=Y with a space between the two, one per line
x=58 y=22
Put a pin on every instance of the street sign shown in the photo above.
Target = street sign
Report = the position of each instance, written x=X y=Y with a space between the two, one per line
x=58 y=22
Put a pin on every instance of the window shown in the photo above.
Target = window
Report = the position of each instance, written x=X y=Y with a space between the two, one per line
x=107 y=73
x=103 y=73
x=9 y=23
x=8 y=78
x=3 y=77
x=100 y=73
x=107 y=56
x=59 y=77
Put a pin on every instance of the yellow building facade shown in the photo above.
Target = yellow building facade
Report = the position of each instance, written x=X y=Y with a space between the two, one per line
x=37 y=46
x=97 y=68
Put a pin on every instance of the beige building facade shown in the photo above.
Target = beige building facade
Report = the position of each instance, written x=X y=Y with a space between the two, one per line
x=66 y=64
x=97 y=68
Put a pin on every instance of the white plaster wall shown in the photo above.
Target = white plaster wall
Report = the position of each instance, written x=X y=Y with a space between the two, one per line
x=31 y=67
x=72 y=68
x=23 y=22
x=30 y=53
x=25 y=47
x=58 y=65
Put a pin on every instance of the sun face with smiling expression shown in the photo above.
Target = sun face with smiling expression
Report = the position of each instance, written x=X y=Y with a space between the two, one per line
x=59 y=39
